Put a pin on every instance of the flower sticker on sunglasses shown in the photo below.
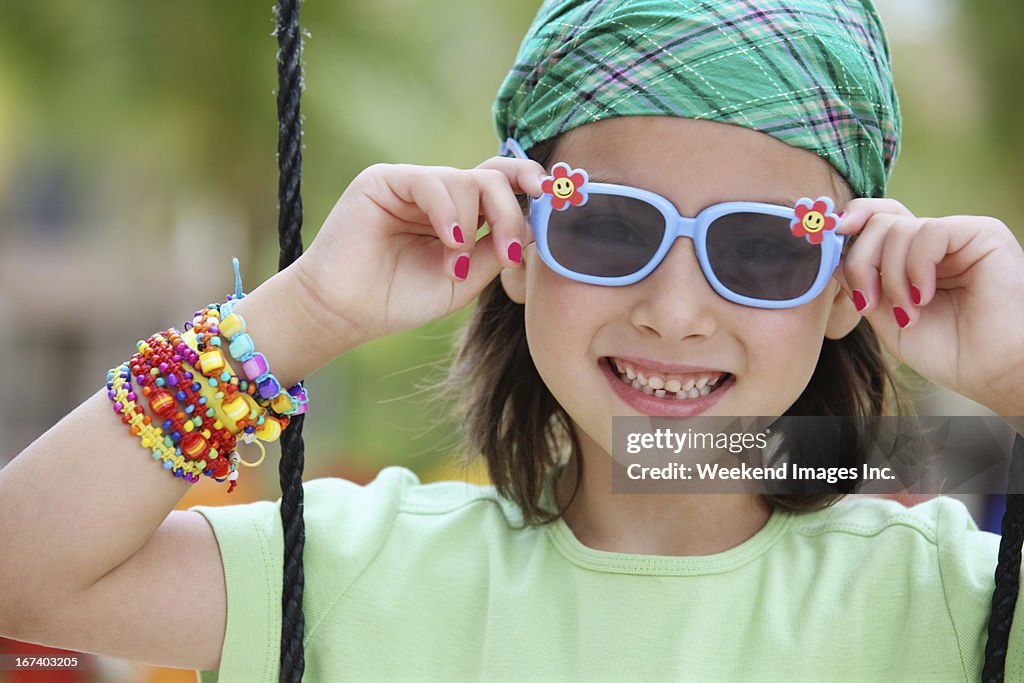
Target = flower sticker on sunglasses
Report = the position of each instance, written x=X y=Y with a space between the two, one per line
x=567 y=186
x=813 y=219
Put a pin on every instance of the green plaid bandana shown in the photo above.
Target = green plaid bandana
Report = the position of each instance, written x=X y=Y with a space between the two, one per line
x=813 y=74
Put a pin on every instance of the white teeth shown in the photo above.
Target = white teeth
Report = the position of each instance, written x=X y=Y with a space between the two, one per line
x=672 y=388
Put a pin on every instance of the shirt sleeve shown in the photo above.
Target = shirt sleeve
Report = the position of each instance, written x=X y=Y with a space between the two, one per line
x=345 y=526
x=967 y=562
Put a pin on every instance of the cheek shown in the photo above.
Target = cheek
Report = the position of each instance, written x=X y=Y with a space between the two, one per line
x=561 y=316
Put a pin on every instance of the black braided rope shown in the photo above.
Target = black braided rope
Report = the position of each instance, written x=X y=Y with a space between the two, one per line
x=289 y=227
x=1004 y=597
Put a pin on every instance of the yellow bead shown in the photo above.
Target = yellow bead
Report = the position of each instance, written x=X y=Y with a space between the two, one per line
x=282 y=403
x=236 y=408
x=230 y=326
x=188 y=426
x=270 y=431
x=211 y=362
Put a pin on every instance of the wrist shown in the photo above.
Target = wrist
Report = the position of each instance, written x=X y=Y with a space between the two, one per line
x=284 y=328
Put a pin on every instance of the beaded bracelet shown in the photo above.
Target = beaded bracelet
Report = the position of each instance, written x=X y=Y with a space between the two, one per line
x=151 y=437
x=293 y=401
x=235 y=395
x=269 y=394
x=200 y=433
x=200 y=437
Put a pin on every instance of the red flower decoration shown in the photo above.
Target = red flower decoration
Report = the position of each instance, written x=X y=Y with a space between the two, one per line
x=566 y=186
x=813 y=219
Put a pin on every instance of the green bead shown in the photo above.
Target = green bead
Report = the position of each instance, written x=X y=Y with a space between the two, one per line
x=219 y=395
x=154 y=371
x=243 y=385
x=225 y=376
x=197 y=421
x=168 y=442
x=157 y=454
x=210 y=412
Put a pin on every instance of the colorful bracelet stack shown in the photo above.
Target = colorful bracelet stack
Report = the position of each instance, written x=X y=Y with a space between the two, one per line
x=201 y=406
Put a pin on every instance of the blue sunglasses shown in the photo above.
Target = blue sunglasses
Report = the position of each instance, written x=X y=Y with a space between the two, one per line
x=753 y=254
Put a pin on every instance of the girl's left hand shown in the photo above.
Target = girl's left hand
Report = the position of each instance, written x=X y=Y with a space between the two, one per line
x=945 y=295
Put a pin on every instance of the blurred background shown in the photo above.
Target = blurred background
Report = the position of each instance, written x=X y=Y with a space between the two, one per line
x=131 y=132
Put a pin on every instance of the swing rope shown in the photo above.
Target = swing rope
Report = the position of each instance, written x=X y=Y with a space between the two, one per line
x=1004 y=597
x=289 y=226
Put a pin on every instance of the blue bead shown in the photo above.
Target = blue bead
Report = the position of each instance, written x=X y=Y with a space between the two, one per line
x=180 y=396
x=241 y=347
x=168 y=465
x=189 y=409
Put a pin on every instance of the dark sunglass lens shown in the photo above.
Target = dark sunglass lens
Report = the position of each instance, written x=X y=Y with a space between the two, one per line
x=756 y=255
x=609 y=236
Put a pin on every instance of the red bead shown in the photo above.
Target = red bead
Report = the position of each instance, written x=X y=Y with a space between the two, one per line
x=162 y=403
x=194 y=446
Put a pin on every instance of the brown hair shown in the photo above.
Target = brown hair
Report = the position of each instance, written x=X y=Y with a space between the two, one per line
x=510 y=418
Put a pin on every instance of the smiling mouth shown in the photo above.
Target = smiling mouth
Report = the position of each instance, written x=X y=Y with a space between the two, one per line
x=670 y=387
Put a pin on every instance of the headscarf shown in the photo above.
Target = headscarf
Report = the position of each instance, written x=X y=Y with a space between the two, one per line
x=813 y=74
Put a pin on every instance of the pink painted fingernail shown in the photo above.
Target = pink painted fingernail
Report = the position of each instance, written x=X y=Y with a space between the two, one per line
x=457 y=234
x=859 y=300
x=515 y=252
x=915 y=295
x=902 y=319
x=461 y=268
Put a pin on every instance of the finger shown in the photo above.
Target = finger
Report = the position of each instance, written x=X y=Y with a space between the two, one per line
x=895 y=258
x=500 y=208
x=428 y=192
x=858 y=212
x=480 y=270
x=524 y=175
x=930 y=246
x=465 y=194
x=862 y=264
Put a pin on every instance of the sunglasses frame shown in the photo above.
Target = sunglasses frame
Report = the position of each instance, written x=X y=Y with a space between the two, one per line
x=677 y=225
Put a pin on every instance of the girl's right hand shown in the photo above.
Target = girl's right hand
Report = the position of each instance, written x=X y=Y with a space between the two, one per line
x=397 y=251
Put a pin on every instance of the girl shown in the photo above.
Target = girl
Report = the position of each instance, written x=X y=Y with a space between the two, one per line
x=674 y=110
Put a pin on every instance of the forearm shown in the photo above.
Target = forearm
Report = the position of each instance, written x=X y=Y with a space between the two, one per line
x=85 y=496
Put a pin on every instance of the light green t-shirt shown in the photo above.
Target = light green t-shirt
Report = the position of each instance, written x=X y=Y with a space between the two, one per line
x=440 y=582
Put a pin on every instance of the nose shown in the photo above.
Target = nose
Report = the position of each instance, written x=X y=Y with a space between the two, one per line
x=675 y=301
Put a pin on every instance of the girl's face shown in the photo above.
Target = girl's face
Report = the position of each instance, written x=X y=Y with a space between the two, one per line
x=577 y=331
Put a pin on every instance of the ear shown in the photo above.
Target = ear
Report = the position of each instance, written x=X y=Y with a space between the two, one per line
x=843 y=316
x=513 y=281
